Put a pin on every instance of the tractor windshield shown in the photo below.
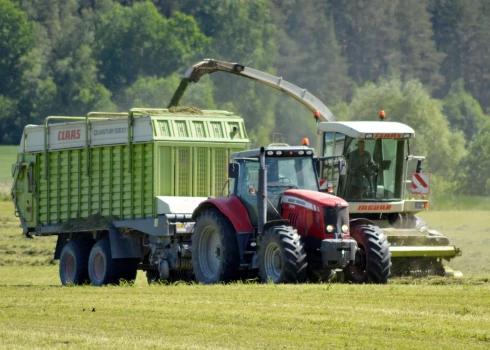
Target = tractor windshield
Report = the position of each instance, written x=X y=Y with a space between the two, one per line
x=287 y=172
x=374 y=168
x=283 y=173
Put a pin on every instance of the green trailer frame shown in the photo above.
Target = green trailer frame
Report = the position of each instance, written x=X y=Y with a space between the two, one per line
x=91 y=182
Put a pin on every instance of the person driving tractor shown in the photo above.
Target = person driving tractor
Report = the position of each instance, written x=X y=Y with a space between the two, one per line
x=361 y=166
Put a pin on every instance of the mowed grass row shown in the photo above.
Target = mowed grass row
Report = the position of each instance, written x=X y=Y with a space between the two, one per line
x=246 y=316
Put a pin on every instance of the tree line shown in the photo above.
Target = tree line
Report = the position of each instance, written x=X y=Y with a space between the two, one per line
x=425 y=62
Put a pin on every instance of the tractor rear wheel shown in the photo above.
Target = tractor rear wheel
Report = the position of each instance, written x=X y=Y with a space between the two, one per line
x=215 y=256
x=282 y=257
x=373 y=257
x=74 y=261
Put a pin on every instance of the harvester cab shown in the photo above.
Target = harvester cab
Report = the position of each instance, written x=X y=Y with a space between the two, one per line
x=369 y=165
x=274 y=220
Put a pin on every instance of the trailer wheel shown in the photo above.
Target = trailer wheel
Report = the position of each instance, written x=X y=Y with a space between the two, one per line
x=215 y=256
x=373 y=258
x=282 y=257
x=74 y=262
x=102 y=269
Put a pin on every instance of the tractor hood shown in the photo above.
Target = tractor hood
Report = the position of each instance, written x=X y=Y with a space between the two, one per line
x=312 y=199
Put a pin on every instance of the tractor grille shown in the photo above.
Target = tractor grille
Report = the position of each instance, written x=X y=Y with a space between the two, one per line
x=336 y=216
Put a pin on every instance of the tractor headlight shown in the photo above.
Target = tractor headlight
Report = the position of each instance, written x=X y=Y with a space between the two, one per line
x=330 y=228
x=345 y=228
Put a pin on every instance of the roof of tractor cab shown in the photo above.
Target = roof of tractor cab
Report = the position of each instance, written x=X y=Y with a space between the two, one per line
x=277 y=150
x=369 y=129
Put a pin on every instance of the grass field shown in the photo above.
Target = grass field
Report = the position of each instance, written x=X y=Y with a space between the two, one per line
x=408 y=313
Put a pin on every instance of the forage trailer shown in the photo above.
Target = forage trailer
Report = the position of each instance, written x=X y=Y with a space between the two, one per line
x=119 y=189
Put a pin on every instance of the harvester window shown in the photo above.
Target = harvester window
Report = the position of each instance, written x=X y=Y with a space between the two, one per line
x=372 y=176
x=333 y=144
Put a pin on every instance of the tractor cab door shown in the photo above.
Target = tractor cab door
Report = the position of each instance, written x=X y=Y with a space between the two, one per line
x=24 y=193
x=246 y=185
x=331 y=173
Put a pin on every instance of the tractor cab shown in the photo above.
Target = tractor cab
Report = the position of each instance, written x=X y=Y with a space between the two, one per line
x=286 y=168
x=364 y=161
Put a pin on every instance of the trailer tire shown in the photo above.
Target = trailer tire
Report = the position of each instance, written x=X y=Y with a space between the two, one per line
x=102 y=269
x=74 y=261
x=282 y=257
x=215 y=256
x=373 y=258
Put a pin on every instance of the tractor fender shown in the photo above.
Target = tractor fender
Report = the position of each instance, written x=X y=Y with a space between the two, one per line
x=361 y=221
x=231 y=207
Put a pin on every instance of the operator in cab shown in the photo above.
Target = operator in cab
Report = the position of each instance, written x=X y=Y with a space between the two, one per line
x=361 y=166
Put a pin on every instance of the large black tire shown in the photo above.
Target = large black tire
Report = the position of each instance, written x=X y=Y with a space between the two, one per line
x=74 y=261
x=102 y=269
x=373 y=258
x=282 y=257
x=215 y=256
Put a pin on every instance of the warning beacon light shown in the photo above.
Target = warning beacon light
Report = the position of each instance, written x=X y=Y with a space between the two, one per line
x=382 y=115
x=316 y=115
x=305 y=141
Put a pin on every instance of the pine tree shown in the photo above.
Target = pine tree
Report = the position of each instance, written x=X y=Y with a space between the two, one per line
x=461 y=31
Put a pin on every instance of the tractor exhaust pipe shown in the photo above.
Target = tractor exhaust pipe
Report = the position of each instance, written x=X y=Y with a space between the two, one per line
x=262 y=193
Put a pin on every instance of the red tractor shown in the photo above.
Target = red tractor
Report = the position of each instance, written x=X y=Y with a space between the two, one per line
x=276 y=223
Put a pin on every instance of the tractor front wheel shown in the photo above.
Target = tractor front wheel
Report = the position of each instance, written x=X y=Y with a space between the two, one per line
x=282 y=257
x=373 y=257
x=215 y=256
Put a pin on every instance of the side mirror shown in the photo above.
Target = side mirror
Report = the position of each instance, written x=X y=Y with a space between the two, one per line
x=419 y=166
x=233 y=170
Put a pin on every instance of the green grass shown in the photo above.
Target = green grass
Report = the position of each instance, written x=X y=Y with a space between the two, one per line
x=459 y=202
x=246 y=316
x=408 y=313
x=8 y=156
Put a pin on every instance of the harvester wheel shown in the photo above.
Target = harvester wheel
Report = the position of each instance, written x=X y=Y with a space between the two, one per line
x=215 y=256
x=282 y=257
x=102 y=269
x=373 y=258
x=74 y=261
